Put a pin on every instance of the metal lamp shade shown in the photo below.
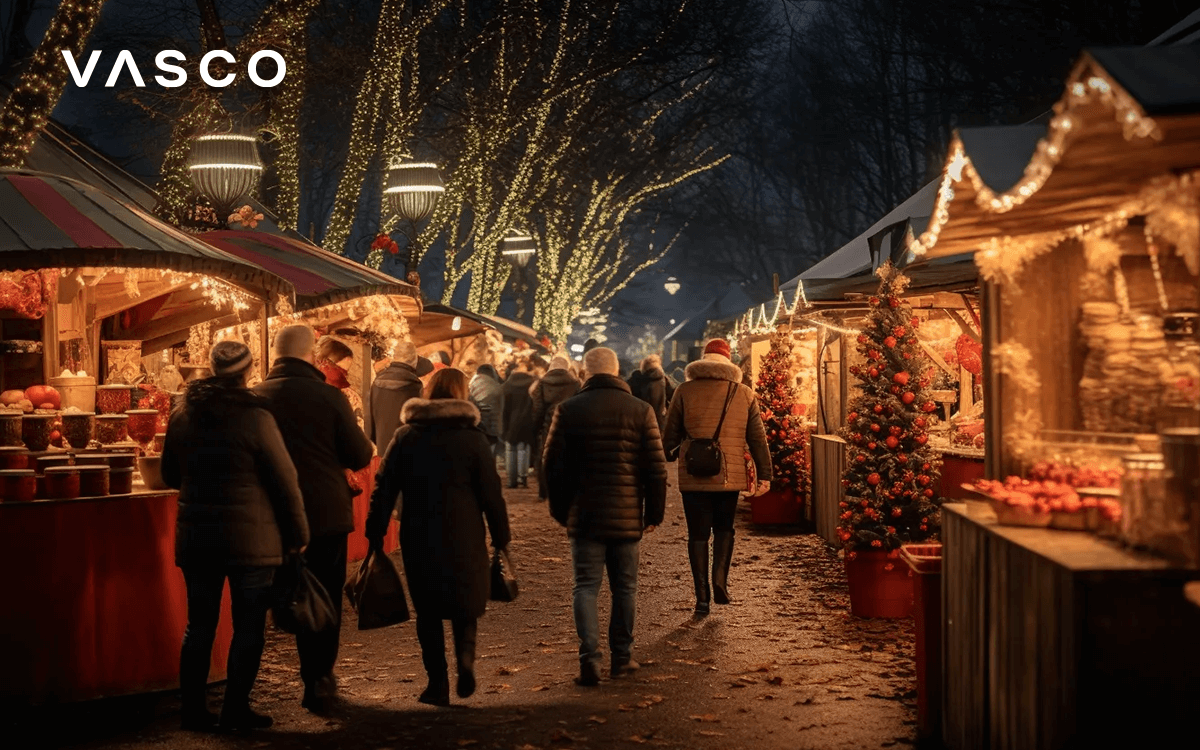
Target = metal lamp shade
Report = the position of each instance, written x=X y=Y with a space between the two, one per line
x=518 y=250
x=225 y=168
x=413 y=190
x=672 y=286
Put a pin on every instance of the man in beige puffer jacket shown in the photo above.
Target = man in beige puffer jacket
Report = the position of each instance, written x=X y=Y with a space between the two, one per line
x=709 y=503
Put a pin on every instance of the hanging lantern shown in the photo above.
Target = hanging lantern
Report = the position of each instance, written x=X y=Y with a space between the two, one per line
x=413 y=190
x=518 y=248
x=225 y=168
x=671 y=286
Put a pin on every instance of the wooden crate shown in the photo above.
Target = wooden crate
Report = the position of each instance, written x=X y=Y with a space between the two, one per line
x=828 y=463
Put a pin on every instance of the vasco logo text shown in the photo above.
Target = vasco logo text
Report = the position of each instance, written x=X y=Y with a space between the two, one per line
x=178 y=76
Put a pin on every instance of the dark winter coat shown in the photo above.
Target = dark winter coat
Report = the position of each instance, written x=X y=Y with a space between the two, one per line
x=517 y=425
x=557 y=386
x=442 y=468
x=604 y=464
x=695 y=412
x=323 y=439
x=239 y=499
x=487 y=396
x=392 y=388
x=656 y=390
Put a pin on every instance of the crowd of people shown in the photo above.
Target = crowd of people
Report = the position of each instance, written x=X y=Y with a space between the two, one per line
x=264 y=477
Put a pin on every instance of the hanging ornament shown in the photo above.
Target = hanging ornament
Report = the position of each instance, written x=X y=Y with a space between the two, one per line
x=908 y=397
x=873 y=479
x=901 y=378
x=892 y=442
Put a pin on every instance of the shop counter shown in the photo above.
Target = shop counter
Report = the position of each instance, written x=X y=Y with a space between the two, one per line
x=1061 y=639
x=959 y=467
x=93 y=603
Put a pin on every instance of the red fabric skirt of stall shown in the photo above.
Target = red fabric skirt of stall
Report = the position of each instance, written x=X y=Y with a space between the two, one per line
x=93 y=603
x=356 y=548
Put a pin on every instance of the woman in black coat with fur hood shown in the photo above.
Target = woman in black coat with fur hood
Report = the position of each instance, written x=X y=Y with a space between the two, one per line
x=440 y=463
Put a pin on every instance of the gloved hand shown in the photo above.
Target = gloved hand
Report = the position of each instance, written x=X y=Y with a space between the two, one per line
x=762 y=488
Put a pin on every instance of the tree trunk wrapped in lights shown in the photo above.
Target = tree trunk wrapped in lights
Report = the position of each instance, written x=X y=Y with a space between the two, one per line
x=890 y=472
x=41 y=85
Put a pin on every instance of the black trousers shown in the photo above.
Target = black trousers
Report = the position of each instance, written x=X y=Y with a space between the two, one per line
x=251 y=593
x=432 y=636
x=708 y=512
x=326 y=558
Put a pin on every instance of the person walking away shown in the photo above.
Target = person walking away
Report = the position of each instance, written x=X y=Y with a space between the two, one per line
x=240 y=512
x=486 y=394
x=655 y=388
x=396 y=384
x=557 y=386
x=634 y=381
x=324 y=441
x=441 y=464
x=517 y=424
x=607 y=481
x=713 y=389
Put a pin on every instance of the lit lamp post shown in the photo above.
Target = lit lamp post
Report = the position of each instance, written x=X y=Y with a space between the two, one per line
x=672 y=285
x=518 y=249
x=413 y=191
x=225 y=169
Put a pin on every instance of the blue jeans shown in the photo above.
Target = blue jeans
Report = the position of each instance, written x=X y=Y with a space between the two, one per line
x=591 y=559
x=516 y=463
x=251 y=596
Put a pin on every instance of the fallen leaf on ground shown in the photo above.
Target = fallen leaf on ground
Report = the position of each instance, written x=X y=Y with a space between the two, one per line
x=710 y=733
x=505 y=671
x=467 y=743
x=539 y=689
x=704 y=717
x=762 y=668
x=597 y=719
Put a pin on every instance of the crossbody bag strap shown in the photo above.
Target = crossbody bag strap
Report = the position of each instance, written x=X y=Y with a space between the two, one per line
x=724 y=410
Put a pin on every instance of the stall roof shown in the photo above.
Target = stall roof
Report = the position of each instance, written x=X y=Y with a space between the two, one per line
x=509 y=329
x=319 y=276
x=437 y=324
x=956 y=275
x=1129 y=116
x=52 y=221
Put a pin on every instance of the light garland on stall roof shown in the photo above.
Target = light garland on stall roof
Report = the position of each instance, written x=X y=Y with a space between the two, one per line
x=746 y=324
x=1163 y=302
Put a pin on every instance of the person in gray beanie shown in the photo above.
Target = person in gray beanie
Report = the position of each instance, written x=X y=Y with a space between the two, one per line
x=240 y=513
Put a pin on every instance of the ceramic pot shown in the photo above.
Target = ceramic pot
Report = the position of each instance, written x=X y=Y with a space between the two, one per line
x=17 y=485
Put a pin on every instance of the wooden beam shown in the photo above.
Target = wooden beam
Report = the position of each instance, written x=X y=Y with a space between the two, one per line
x=937 y=359
x=264 y=341
x=966 y=327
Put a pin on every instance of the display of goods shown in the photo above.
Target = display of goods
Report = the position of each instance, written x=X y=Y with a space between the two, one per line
x=120 y=481
x=1076 y=476
x=1041 y=496
x=45 y=462
x=112 y=428
x=17 y=485
x=36 y=429
x=93 y=481
x=43 y=397
x=122 y=459
x=12 y=398
x=160 y=440
x=79 y=428
x=91 y=459
x=150 y=467
x=62 y=483
x=78 y=391
x=13 y=457
x=113 y=399
x=880 y=584
x=143 y=424
x=10 y=430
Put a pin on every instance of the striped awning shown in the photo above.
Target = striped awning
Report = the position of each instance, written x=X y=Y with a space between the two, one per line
x=48 y=221
x=319 y=276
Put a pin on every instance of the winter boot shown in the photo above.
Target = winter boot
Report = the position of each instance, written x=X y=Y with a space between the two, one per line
x=722 y=556
x=464 y=647
x=698 y=558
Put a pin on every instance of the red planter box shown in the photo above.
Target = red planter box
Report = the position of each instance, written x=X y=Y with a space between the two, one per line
x=775 y=506
x=880 y=585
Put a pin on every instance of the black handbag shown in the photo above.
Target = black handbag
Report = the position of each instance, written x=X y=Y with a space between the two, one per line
x=504 y=578
x=302 y=606
x=377 y=593
x=704 y=457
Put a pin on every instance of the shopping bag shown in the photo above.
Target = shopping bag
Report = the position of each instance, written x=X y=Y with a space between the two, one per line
x=504 y=578
x=302 y=605
x=377 y=593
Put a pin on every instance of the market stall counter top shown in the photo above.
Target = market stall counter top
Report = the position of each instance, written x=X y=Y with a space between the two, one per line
x=93 y=603
x=1057 y=639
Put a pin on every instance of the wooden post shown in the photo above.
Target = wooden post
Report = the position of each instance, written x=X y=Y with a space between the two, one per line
x=993 y=429
x=50 y=341
x=264 y=340
x=92 y=327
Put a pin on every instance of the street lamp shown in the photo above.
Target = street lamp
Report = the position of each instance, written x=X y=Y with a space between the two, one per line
x=413 y=190
x=518 y=249
x=672 y=285
x=224 y=168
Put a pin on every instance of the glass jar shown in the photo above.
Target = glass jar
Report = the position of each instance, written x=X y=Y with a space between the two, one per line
x=1143 y=486
x=36 y=429
x=113 y=399
x=62 y=483
x=112 y=428
x=143 y=424
x=93 y=481
x=120 y=481
x=79 y=429
x=10 y=430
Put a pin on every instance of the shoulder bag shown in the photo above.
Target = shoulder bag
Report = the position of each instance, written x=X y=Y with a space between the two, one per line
x=704 y=457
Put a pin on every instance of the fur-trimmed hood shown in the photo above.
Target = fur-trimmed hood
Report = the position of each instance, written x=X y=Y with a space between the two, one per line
x=713 y=367
x=420 y=410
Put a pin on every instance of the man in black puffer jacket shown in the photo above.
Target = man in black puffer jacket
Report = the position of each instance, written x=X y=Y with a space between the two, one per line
x=324 y=440
x=607 y=482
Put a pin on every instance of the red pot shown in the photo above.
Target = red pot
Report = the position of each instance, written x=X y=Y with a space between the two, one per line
x=775 y=506
x=120 y=481
x=880 y=585
x=12 y=457
x=17 y=485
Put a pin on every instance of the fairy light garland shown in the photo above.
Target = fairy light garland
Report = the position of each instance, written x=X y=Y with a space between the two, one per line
x=285 y=116
x=31 y=103
x=1163 y=302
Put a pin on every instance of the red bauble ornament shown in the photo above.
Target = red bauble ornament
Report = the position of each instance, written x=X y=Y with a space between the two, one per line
x=872 y=445
x=895 y=389
x=872 y=479
x=893 y=302
x=928 y=493
x=902 y=458
x=860 y=458
x=906 y=355
x=901 y=378
x=874 y=372
x=920 y=422
x=922 y=439
x=923 y=479
x=898 y=331
x=874 y=428
x=890 y=341
x=874 y=300
x=908 y=397
x=928 y=406
x=925 y=467
x=915 y=322
x=854 y=415
x=878 y=409
x=892 y=442
x=895 y=430
x=862 y=338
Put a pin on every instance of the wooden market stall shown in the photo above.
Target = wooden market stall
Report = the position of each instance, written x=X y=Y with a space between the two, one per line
x=1091 y=288
x=96 y=606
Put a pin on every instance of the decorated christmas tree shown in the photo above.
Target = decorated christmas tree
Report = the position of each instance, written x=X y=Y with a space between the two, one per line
x=782 y=419
x=890 y=473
